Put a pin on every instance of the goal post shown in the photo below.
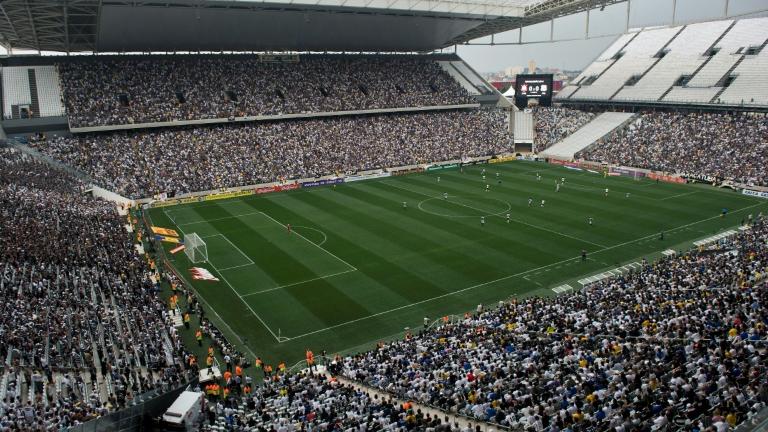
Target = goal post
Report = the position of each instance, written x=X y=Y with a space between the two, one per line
x=195 y=248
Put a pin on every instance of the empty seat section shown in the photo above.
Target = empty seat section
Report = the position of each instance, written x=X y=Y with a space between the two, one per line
x=637 y=57
x=684 y=54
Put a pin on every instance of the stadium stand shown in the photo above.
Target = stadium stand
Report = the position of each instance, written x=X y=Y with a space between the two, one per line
x=728 y=51
x=126 y=162
x=82 y=328
x=721 y=146
x=683 y=55
x=16 y=91
x=146 y=90
x=715 y=62
x=637 y=57
x=750 y=86
x=37 y=87
x=49 y=91
x=524 y=130
x=555 y=123
x=603 y=62
x=598 y=127
x=678 y=344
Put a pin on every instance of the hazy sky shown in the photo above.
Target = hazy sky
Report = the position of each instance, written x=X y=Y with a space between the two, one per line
x=576 y=54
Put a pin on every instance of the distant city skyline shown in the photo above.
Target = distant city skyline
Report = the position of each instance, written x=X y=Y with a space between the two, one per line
x=577 y=53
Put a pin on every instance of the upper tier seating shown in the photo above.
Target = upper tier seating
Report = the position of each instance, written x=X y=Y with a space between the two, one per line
x=157 y=89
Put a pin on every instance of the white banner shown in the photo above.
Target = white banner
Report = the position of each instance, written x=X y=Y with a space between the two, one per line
x=755 y=193
x=366 y=176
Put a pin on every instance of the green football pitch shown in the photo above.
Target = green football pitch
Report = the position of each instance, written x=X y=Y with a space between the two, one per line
x=359 y=267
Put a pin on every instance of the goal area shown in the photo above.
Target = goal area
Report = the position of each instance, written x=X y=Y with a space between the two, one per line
x=195 y=248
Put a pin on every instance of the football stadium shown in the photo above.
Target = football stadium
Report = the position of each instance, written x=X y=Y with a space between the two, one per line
x=221 y=215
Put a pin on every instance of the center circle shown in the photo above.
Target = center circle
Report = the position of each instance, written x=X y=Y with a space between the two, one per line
x=464 y=207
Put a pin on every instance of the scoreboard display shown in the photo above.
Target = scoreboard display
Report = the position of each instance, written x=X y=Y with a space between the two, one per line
x=537 y=87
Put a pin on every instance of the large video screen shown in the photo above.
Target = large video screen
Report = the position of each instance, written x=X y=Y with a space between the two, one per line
x=538 y=86
x=534 y=85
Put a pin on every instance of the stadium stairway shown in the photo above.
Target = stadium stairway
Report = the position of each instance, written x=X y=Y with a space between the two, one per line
x=599 y=127
x=33 y=93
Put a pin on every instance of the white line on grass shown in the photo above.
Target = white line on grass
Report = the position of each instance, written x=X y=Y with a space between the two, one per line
x=501 y=216
x=235 y=246
x=325 y=237
x=311 y=242
x=678 y=195
x=236 y=267
x=218 y=219
x=529 y=280
x=298 y=283
x=278 y=339
x=285 y=339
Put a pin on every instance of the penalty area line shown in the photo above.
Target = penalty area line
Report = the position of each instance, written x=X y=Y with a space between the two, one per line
x=299 y=283
x=277 y=338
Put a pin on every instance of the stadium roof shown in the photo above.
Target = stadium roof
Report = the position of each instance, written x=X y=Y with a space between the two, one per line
x=280 y=25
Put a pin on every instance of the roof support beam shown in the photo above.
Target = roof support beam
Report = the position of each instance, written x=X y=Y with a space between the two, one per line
x=66 y=24
x=32 y=25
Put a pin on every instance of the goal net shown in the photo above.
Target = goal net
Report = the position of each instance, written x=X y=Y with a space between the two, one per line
x=195 y=248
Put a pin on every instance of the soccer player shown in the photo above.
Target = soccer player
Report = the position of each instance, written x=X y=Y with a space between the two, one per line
x=508 y=216
x=497 y=175
x=723 y=212
x=438 y=179
x=583 y=254
x=589 y=221
x=405 y=205
x=482 y=220
x=483 y=177
x=538 y=177
x=626 y=195
x=542 y=203
x=530 y=202
x=445 y=195
x=483 y=173
x=606 y=192
x=288 y=226
x=562 y=179
x=557 y=187
x=487 y=188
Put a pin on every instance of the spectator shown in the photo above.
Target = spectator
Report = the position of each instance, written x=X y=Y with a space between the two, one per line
x=77 y=305
x=553 y=124
x=181 y=160
x=164 y=88
x=699 y=145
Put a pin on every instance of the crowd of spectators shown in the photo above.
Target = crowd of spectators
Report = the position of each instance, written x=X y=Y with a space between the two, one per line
x=82 y=328
x=163 y=88
x=555 y=123
x=178 y=160
x=682 y=342
x=305 y=401
x=730 y=147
